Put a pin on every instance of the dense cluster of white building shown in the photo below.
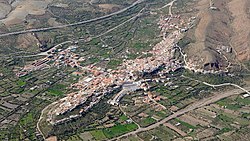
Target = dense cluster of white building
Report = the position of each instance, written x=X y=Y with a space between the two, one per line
x=99 y=80
x=58 y=57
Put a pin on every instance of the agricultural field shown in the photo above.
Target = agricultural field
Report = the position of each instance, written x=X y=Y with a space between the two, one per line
x=99 y=70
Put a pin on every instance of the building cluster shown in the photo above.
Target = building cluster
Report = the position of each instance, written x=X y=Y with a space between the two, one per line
x=226 y=49
x=100 y=81
x=55 y=57
x=170 y=23
x=36 y=65
x=65 y=57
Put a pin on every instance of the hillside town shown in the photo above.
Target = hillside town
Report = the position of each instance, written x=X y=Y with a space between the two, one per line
x=127 y=76
x=55 y=58
x=125 y=70
x=100 y=81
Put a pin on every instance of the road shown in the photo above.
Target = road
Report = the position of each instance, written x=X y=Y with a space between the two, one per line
x=66 y=42
x=116 y=27
x=41 y=117
x=157 y=103
x=41 y=53
x=170 y=7
x=219 y=85
x=195 y=105
x=183 y=55
x=73 y=24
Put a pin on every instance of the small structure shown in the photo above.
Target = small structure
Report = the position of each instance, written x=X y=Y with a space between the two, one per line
x=126 y=88
x=245 y=95
x=213 y=8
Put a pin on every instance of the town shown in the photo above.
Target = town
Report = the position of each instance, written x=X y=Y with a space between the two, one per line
x=128 y=76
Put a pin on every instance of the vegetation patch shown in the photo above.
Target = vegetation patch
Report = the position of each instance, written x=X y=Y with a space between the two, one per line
x=186 y=124
x=98 y=134
x=21 y=83
x=119 y=130
x=114 y=63
x=57 y=90
x=147 y=121
x=224 y=130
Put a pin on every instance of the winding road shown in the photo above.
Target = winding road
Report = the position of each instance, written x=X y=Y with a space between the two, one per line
x=219 y=85
x=73 y=24
x=70 y=42
x=170 y=7
x=193 y=106
x=41 y=117
x=66 y=42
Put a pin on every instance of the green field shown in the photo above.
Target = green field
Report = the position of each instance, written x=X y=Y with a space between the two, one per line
x=119 y=130
x=21 y=83
x=98 y=134
x=147 y=121
x=186 y=124
x=57 y=90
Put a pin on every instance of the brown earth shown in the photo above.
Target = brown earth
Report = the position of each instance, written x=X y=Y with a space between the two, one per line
x=5 y=8
x=27 y=40
x=193 y=120
x=182 y=133
x=23 y=8
x=202 y=52
x=108 y=7
x=228 y=25
x=241 y=25
x=53 y=138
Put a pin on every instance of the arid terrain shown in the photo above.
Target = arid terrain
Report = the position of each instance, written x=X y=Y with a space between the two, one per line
x=240 y=39
x=20 y=9
x=222 y=33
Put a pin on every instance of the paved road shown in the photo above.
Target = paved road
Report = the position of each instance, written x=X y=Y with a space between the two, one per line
x=198 y=104
x=73 y=24
x=67 y=42
x=116 y=27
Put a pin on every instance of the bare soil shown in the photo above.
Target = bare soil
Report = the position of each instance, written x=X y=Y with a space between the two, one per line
x=228 y=25
x=5 y=9
x=23 y=8
x=241 y=25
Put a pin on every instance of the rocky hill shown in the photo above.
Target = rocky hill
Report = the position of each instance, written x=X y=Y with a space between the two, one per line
x=221 y=35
